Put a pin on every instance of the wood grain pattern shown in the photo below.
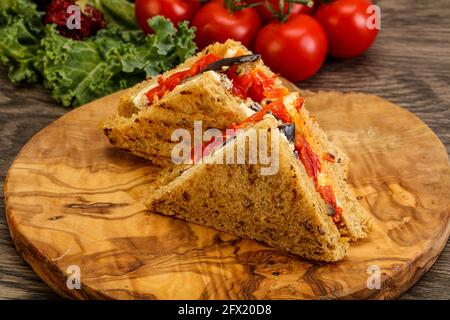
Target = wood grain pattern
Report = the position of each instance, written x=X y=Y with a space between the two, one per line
x=72 y=199
x=407 y=65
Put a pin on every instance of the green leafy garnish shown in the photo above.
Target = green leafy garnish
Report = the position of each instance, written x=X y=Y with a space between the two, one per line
x=77 y=72
x=20 y=31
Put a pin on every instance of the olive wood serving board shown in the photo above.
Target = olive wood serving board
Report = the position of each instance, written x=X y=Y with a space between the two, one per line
x=74 y=200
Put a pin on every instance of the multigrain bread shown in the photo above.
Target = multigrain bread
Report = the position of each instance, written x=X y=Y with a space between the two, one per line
x=127 y=103
x=145 y=129
x=282 y=210
x=148 y=133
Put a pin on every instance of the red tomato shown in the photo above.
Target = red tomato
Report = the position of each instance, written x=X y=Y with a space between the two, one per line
x=345 y=22
x=215 y=23
x=296 y=48
x=175 y=10
x=267 y=16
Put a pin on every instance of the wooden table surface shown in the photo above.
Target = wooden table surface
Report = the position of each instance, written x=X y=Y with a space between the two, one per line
x=408 y=65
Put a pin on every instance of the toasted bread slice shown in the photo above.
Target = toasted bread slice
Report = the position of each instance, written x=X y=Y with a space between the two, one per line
x=283 y=210
x=148 y=132
x=134 y=100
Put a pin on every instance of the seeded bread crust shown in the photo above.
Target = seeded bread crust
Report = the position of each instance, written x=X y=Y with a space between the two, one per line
x=282 y=210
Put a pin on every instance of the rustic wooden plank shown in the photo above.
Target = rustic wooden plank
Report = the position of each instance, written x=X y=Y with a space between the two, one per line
x=408 y=65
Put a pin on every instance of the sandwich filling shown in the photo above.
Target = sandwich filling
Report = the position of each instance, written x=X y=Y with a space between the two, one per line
x=208 y=62
x=166 y=85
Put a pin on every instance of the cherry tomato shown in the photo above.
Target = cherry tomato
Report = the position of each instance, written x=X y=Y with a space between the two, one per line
x=174 y=10
x=296 y=48
x=216 y=23
x=345 y=23
x=267 y=16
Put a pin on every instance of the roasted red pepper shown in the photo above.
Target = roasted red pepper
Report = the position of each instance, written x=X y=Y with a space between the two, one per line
x=202 y=63
x=241 y=84
x=196 y=158
x=255 y=85
x=312 y=165
x=263 y=87
x=327 y=194
x=309 y=159
x=168 y=84
x=299 y=103
x=276 y=107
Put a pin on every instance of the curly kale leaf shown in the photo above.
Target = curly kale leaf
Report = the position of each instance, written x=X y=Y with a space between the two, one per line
x=77 y=72
x=20 y=32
